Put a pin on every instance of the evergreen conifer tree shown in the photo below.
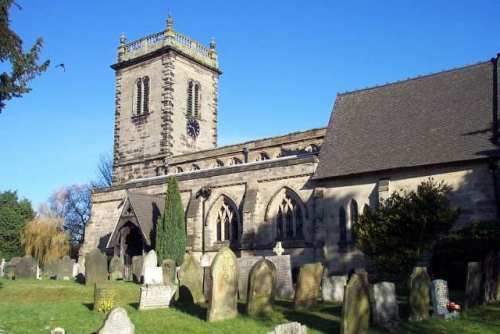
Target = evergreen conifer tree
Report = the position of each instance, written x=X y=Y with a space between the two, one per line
x=170 y=228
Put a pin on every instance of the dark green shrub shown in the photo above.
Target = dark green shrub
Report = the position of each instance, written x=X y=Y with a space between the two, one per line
x=459 y=246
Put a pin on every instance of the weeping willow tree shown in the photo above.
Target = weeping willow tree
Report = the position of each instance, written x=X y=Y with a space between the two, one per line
x=44 y=239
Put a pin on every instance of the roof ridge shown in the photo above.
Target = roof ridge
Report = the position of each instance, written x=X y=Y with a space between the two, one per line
x=419 y=77
x=143 y=195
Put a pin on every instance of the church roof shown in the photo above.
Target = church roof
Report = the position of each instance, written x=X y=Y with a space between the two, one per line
x=434 y=119
x=146 y=209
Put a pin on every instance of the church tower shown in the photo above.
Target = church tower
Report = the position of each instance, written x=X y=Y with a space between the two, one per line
x=166 y=102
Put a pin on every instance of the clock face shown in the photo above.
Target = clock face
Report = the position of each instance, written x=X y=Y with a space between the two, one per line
x=193 y=128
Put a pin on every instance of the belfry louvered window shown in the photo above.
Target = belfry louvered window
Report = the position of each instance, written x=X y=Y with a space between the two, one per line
x=141 y=96
x=193 y=99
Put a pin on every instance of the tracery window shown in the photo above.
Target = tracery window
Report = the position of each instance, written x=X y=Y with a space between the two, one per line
x=354 y=218
x=193 y=99
x=342 y=225
x=289 y=219
x=227 y=222
x=141 y=95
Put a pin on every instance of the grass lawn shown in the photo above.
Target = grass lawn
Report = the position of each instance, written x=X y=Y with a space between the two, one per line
x=39 y=306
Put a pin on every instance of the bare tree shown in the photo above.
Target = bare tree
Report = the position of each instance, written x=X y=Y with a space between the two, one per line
x=104 y=171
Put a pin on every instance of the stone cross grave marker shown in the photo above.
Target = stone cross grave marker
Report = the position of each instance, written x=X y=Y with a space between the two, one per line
x=103 y=294
x=284 y=286
x=116 y=267
x=156 y=296
x=117 y=322
x=27 y=268
x=289 y=328
x=418 y=299
x=168 y=268
x=96 y=267
x=356 y=306
x=65 y=268
x=384 y=303
x=190 y=281
x=261 y=288
x=153 y=275
x=440 y=300
x=245 y=265
x=332 y=288
x=278 y=249
x=224 y=296
x=137 y=264
x=308 y=282
x=473 y=284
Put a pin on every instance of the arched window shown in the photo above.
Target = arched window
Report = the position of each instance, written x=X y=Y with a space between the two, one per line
x=141 y=96
x=354 y=218
x=193 y=99
x=194 y=167
x=289 y=224
x=178 y=170
x=218 y=163
x=262 y=156
x=227 y=222
x=342 y=225
x=234 y=161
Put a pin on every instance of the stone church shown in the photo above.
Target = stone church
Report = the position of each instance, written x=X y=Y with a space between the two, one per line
x=305 y=189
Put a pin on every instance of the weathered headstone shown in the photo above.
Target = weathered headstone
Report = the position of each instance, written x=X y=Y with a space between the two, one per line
x=384 y=303
x=116 y=267
x=207 y=283
x=491 y=277
x=58 y=330
x=332 y=288
x=156 y=296
x=27 y=268
x=50 y=268
x=190 y=281
x=104 y=295
x=96 y=267
x=2 y=267
x=440 y=300
x=245 y=264
x=65 y=268
x=117 y=322
x=356 y=306
x=76 y=269
x=150 y=260
x=168 y=267
x=137 y=264
x=418 y=299
x=290 y=328
x=473 y=284
x=284 y=286
x=11 y=270
x=261 y=288
x=308 y=284
x=153 y=275
x=224 y=296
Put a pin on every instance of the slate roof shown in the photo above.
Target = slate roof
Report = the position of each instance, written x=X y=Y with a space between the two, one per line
x=146 y=208
x=439 y=118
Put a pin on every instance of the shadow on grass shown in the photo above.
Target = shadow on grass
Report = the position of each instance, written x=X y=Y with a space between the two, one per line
x=313 y=318
x=134 y=305
x=90 y=306
x=195 y=310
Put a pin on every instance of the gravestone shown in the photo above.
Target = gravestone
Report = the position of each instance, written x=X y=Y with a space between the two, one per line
x=137 y=264
x=473 y=284
x=356 y=306
x=104 y=293
x=58 y=330
x=27 y=268
x=190 y=281
x=418 y=298
x=76 y=268
x=207 y=283
x=332 y=288
x=96 y=267
x=440 y=300
x=224 y=296
x=284 y=286
x=384 y=303
x=150 y=260
x=491 y=277
x=2 y=267
x=117 y=322
x=261 y=288
x=50 y=268
x=65 y=268
x=168 y=267
x=290 y=328
x=11 y=270
x=153 y=275
x=245 y=264
x=308 y=284
x=156 y=296
x=116 y=267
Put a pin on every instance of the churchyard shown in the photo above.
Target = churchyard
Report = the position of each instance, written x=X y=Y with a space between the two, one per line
x=102 y=302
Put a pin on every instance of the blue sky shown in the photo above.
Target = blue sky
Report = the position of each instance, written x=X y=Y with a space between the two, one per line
x=283 y=61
